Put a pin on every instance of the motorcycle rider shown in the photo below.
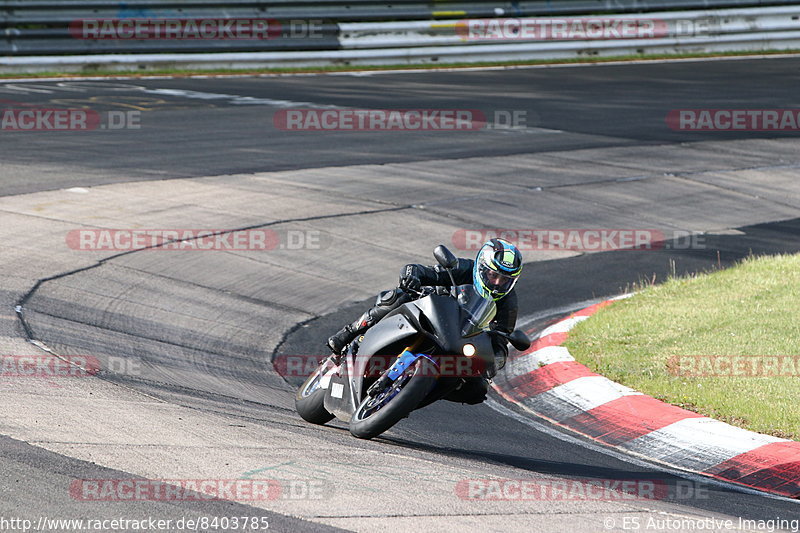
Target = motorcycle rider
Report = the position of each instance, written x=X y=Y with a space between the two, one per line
x=493 y=273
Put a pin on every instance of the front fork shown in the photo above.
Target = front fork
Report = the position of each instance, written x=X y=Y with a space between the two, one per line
x=403 y=362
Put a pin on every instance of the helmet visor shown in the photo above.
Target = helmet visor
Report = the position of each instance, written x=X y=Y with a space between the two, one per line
x=498 y=283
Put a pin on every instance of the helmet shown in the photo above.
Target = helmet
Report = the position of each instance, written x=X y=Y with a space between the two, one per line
x=497 y=268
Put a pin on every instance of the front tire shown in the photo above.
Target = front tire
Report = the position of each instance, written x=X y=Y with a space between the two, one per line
x=310 y=398
x=375 y=415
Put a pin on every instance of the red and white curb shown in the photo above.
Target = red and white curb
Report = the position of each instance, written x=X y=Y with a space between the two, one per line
x=546 y=380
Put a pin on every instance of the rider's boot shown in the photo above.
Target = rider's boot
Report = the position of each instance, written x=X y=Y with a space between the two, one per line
x=339 y=340
x=386 y=301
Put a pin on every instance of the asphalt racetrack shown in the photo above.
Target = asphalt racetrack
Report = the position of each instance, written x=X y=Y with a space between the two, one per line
x=186 y=339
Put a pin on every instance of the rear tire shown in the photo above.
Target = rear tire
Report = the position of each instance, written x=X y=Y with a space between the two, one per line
x=375 y=415
x=310 y=398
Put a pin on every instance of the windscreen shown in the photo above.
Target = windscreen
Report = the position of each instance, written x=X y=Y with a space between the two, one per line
x=477 y=311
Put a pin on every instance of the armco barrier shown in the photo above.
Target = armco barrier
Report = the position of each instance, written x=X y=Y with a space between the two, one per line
x=46 y=36
x=42 y=27
x=719 y=25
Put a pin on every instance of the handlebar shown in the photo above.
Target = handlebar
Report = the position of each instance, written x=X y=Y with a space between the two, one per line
x=426 y=290
x=412 y=292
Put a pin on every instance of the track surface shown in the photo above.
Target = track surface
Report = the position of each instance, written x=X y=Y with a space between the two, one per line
x=478 y=432
x=221 y=369
x=214 y=130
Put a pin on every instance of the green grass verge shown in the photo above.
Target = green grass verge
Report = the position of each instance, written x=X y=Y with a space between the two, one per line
x=348 y=68
x=751 y=309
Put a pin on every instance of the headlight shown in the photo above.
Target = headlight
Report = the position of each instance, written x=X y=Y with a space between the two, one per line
x=468 y=350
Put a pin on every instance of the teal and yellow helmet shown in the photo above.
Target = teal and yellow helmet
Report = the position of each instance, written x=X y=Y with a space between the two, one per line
x=497 y=268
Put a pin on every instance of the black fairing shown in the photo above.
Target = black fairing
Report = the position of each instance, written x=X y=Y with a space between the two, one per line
x=444 y=316
x=392 y=328
x=439 y=318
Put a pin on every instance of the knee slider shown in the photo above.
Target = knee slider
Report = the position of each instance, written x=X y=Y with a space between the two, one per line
x=387 y=298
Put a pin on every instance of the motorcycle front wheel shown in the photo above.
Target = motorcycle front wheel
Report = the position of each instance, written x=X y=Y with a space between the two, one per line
x=377 y=414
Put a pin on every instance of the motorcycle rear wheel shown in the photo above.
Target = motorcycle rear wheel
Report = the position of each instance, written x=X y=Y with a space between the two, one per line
x=310 y=398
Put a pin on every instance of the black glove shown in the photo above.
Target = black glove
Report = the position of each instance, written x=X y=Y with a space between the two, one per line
x=410 y=278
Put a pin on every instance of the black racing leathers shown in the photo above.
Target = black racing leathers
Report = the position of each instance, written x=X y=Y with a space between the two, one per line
x=473 y=390
x=413 y=276
x=506 y=318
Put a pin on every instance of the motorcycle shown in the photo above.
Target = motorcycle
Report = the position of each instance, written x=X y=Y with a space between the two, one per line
x=443 y=338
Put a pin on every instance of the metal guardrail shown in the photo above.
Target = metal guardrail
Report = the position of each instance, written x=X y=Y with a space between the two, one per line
x=88 y=64
x=728 y=25
x=47 y=11
x=51 y=41
x=409 y=42
x=42 y=27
